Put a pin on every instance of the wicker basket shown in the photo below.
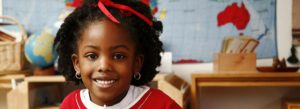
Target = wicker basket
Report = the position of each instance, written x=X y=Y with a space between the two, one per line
x=12 y=53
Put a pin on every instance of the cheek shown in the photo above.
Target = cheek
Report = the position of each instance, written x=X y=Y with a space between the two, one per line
x=86 y=74
x=126 y=69
x=85 y=67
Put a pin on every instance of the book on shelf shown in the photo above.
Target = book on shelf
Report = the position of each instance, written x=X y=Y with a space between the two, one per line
x=6 y=37
x=10 y=33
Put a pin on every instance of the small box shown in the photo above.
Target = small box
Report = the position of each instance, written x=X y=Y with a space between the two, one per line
x=235 y=63
x=177 y=89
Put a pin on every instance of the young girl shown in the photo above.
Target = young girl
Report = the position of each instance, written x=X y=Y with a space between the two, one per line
x=112 y=47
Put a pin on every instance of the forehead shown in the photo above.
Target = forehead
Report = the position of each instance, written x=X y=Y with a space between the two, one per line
x=105 y=33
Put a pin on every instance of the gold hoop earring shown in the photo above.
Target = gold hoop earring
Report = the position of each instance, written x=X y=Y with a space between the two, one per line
x=137 y=76
x=77 y=75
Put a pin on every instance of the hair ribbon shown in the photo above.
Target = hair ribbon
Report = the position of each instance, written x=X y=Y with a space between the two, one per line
x=103 y=3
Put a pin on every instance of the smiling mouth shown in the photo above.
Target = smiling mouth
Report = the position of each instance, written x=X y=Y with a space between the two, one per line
x=104 y=83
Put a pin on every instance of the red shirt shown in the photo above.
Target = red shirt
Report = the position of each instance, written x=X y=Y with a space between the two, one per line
x=152 y=99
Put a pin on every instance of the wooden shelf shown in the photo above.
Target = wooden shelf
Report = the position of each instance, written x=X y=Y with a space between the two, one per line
x=4 y=73
x=45 y=79
x=247 y=75
x=13 y=76
x=271 y=79
x=249 y=84
x=6 y=80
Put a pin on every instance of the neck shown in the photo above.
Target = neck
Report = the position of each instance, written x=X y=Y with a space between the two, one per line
x=111 y=102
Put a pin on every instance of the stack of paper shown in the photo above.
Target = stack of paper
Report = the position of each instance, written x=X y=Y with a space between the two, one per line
x=240 y=44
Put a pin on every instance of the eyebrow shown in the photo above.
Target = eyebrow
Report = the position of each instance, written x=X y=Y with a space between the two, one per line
x=111 y=48
x=90 y=46
x=119 y=46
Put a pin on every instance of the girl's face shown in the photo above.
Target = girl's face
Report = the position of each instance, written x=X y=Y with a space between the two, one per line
x=106 y=60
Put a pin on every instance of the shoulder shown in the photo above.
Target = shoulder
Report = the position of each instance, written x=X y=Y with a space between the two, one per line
x=160 y=96
x=157 y=92
x=156 y=99
x=72 y=100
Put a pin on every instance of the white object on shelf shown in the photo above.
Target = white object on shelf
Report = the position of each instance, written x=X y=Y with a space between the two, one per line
x=166 y=63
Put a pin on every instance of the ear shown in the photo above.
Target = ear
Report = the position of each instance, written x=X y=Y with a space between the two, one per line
x=139 y=61
x=75 y=61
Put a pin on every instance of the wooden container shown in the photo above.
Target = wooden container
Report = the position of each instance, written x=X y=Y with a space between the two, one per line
x=12 y=53
x=177 y=89
x=234 y=63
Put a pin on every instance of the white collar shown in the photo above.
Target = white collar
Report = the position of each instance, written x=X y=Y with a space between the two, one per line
x=133 y=95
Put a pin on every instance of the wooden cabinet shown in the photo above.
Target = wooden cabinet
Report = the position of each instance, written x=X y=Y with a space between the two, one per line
x=22 y=97
x=40 y=92
x=34 y=91
x=240 y=80
x=8 y=82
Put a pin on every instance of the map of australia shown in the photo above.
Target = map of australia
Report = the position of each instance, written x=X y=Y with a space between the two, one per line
x=238 y=16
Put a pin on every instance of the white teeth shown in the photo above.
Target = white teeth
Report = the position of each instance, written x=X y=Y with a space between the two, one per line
x=105 y=82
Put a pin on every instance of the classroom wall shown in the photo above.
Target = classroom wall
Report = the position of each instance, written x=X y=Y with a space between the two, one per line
x=249 y=98
x=284 y=37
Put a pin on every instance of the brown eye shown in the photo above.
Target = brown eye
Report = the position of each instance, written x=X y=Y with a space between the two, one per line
x=118 y=56
x=91 y=56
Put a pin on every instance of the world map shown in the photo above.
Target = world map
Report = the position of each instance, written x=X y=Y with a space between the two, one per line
x=191 y=31
x=192 y=34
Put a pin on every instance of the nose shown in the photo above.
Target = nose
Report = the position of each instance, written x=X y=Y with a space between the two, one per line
x=104 y=64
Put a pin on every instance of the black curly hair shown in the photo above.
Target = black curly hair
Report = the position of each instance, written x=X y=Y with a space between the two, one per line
x=145 y=36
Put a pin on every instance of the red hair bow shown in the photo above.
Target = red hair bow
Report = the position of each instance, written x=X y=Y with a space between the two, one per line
x=109 y=3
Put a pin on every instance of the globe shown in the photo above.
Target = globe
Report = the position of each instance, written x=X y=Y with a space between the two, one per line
x=39 y=50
